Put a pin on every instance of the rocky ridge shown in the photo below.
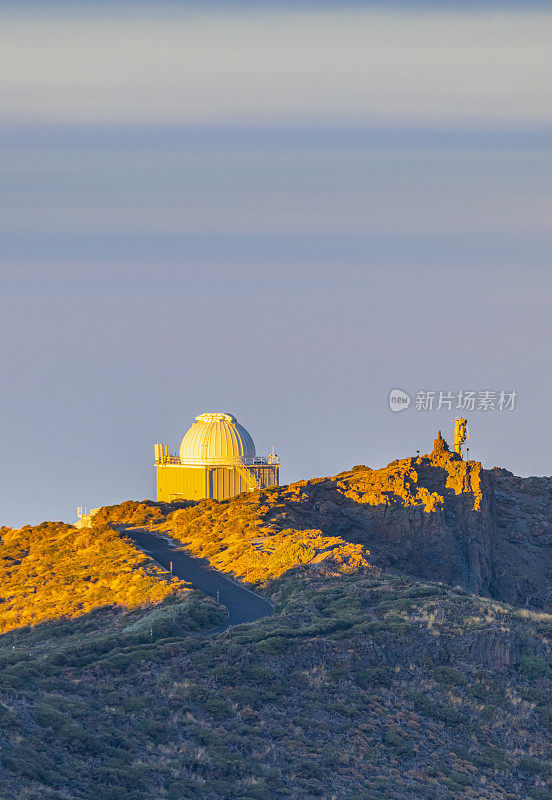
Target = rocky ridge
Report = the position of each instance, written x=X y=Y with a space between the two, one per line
x=435 y=517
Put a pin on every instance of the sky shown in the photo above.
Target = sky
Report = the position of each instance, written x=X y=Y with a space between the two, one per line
x=282 y=211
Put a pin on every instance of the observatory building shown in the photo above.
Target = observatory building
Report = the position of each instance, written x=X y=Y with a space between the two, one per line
x=216 y=459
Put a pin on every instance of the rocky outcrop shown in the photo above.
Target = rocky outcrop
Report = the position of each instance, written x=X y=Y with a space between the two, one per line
x=437 y=517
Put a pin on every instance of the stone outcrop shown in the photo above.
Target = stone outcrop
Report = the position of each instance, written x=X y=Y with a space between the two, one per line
x=436 y=517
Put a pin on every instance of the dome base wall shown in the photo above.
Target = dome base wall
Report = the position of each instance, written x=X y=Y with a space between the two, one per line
x=179 y=482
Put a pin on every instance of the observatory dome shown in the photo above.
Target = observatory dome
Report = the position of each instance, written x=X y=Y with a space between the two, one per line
x=216 y=438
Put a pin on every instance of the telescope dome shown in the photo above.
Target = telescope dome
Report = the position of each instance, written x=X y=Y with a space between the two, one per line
x=216 y=438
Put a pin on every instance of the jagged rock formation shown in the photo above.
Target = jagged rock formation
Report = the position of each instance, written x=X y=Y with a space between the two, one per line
x=437 y=517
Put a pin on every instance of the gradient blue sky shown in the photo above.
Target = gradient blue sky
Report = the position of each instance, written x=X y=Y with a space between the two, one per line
x=281 y=211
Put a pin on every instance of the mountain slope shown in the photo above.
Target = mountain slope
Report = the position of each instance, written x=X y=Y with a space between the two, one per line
x=366 y=685
x=434 y=517
x=372 y=680
x=54 y=570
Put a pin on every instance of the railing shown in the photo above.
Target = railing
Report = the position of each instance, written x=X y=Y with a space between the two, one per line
x=168 y=460
x=250 y=480
x=251 y=461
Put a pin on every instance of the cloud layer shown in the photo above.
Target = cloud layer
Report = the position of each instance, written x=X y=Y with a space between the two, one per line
x=345 y=65
x=284 y=214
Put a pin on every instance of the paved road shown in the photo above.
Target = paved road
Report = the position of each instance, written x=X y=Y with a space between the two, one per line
x=242 y=605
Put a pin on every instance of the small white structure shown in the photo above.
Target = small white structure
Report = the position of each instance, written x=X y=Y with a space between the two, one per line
x=84 y=517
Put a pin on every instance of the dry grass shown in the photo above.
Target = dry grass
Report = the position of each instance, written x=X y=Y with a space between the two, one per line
x=234 y=538
x=55 y=570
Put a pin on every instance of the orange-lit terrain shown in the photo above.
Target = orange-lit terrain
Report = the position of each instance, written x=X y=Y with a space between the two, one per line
x=434 y=517
x=385 y=673
x=235 y=538
x=55 y=570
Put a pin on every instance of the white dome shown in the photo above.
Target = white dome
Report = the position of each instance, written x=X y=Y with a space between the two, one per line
x=216 y=438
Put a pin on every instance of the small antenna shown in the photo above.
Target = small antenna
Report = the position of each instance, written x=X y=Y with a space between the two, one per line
x=460 y=434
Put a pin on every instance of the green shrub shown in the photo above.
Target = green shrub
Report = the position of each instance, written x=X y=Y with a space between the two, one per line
x=425 y=591
x=533 y=766
x=8 y=720
x=274 y=645
x=48 y=717
x=447 y=714
x=217 y=707
x=449 y=675
x=544 y=713
x=491 y=757
x=375 y=676
x=460 y=778
x=335 y=675
x=479 y=692
x=532 y=666
x=539 y=793
x=534 y=694
x=397 y=744
x=174 y=618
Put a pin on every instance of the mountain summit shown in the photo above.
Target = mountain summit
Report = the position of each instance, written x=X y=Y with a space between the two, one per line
x=435 y=517
x=369 y=677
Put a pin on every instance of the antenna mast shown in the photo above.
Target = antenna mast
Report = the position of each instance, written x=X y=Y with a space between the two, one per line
x=460 y=434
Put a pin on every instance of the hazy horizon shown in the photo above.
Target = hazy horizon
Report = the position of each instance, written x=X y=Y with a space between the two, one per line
x=280 y=213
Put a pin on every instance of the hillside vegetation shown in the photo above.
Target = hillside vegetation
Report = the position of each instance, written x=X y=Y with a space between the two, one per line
x=366 y=686
x=393 y=674
x=234 y=537
x=55 y=570
x=434 y=517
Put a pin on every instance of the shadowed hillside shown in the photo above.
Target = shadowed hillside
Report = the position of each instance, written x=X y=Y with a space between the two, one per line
x=367 y=685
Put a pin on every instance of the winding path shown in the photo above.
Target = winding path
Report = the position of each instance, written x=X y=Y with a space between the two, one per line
x=243 y=605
